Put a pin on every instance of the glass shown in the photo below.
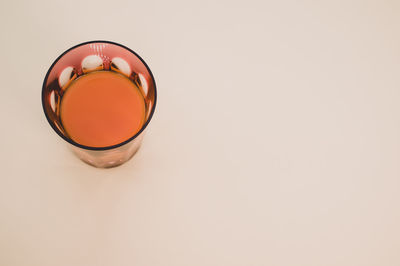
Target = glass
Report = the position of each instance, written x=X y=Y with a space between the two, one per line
x=98 y=56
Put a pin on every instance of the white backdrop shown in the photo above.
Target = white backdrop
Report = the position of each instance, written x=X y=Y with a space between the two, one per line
x=275 y=140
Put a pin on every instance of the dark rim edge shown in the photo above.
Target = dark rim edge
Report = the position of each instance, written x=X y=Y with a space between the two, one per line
x=107 y=147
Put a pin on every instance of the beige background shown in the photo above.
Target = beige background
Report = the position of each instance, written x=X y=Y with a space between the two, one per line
x=275 y=140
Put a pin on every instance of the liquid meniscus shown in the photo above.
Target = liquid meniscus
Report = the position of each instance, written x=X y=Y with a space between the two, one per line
x=102 y=108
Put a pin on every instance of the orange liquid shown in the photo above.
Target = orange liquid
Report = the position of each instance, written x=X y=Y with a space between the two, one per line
x=102 y=108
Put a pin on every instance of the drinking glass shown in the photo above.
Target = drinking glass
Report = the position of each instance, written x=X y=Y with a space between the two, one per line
x=94 y=56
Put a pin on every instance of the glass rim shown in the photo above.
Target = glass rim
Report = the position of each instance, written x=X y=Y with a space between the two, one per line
x=69 y=140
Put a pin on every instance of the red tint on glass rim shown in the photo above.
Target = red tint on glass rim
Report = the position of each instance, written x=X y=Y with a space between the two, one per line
x=92 y=56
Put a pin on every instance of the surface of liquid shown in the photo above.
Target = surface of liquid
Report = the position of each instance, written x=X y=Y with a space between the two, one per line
x=102 y=108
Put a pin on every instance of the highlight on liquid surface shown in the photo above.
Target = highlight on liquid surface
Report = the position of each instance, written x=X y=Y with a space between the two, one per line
x=102 y=108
